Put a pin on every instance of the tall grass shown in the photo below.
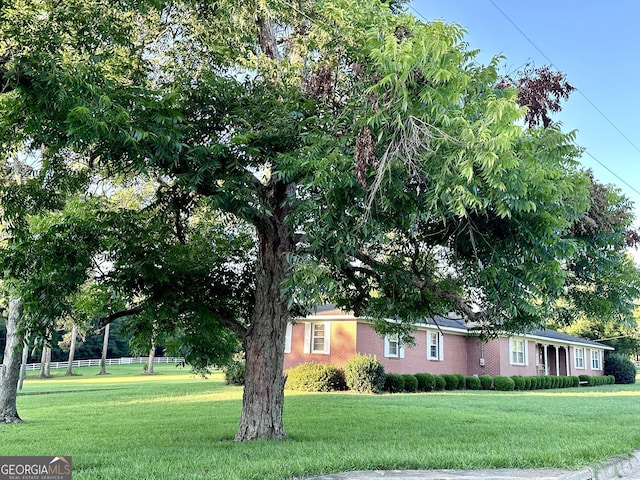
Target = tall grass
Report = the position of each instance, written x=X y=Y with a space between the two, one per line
x=174 y=425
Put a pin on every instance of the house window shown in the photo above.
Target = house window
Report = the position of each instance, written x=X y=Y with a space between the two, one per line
x=392 y=347
x=317 y=337
x=518 y=351
x=287 y=339
x=595 y=360
x=579 y=357
x=435 y=350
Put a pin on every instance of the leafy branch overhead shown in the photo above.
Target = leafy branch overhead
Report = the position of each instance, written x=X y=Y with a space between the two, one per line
x=222 y=167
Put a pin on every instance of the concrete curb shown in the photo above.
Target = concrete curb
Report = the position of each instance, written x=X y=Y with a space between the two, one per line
x=615 y=468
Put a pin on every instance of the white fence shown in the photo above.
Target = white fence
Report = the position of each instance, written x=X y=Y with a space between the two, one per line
x=95 y=362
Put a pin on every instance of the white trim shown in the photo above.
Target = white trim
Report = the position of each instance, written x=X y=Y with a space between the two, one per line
x=514 y=350
x=307 y=337
x=584 y=358
x=599 y=352
x=399 y=353
x=287 y=338
x=439 y=356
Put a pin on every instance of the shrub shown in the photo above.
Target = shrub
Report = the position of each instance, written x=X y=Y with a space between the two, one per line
x=410 y=383
x=234 y=372
x=518 y=382
x=534 y=382
x=622 y=369
x=527 y=383
x=472 y=382
x=575 y=381
x=364 y=374
x=461 y=381
x=440 y=382
x=451 y=381
x=426 y=382
x=393 y=383
x=314 y=377
x=486 y=382
x=504 y=384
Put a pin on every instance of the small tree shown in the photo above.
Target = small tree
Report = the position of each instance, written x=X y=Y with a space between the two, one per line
x=364 y=374
x=621 y=368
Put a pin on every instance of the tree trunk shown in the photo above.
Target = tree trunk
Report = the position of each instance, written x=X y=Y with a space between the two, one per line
x=263 y=397
x=10 y=369
x=152 y=355
x=72 y=349
x=105 y=346
x=23 y=365
x=44 y=363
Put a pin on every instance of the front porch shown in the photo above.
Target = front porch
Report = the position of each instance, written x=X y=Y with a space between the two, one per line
x=552 y=359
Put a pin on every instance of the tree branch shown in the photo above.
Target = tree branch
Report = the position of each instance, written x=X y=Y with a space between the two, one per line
x=104 y=321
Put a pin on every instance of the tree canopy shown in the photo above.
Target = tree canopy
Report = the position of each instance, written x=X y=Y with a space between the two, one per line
x=220 y=167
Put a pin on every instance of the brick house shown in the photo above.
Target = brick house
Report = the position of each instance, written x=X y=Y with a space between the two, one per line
x=442 y=345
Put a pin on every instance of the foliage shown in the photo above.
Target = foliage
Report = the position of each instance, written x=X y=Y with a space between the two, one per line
x=364 y=374
x=503 y=384
x=314 y=377
x=486 y=382
x=234 y=372
x=472 y=382
x=518 y=381
x=410 y=383
x=440 y=383
x=621 y=368
x=451 y=381
x=426 y=382
x=393 y=383
x=232 y=175
x=461 y=381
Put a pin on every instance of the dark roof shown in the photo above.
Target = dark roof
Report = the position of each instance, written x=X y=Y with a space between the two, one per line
x=446 y=322
x=564 y=337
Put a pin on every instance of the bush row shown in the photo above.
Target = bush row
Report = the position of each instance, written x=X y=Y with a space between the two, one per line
x=364 y=374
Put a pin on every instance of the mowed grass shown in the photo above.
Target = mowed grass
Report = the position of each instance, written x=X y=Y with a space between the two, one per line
x=174 y=425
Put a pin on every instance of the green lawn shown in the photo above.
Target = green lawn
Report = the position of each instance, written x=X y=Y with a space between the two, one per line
x=174 y=425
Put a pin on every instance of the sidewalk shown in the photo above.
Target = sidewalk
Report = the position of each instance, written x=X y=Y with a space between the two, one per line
x=620 y=468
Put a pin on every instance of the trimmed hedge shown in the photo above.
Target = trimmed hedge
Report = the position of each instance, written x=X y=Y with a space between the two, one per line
x=426 y=382
x=472 y=382
x=393 y=383
x=364 y=374
x=314 y=377
x=518 y=382
x=486 y=382
x=451 y=381
x=461 y=381
x=440 y=383
x=621 y=368
x=503 y=384
x=410 y=383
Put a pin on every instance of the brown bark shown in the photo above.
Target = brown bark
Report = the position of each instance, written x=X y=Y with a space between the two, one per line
x=10 y=369
x=152 y=356
x=263 y=398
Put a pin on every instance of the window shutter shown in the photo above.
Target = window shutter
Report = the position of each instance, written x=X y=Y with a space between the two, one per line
x=441 y=346
x=401 y=350
x=525 y=346
x=287 y=338
x=327 y=338
x=307 y=338
x=386 y=345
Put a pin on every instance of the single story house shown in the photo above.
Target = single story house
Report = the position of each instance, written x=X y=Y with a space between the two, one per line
x=442 y=345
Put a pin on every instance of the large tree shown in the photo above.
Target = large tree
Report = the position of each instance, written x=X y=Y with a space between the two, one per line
x=322 y=151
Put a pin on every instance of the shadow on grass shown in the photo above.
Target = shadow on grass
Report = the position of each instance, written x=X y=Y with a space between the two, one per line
x=21 y=394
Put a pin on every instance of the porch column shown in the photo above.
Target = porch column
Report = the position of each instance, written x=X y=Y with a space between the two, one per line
x=557 y=361
x=567 y=360
x=546 y=360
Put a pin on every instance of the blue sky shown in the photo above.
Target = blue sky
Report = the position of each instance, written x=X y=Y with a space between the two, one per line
x=596 y=43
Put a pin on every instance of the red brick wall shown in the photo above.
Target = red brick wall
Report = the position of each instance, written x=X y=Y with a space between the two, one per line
x=415 y=358
x=491 y=353
x=342 y=345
